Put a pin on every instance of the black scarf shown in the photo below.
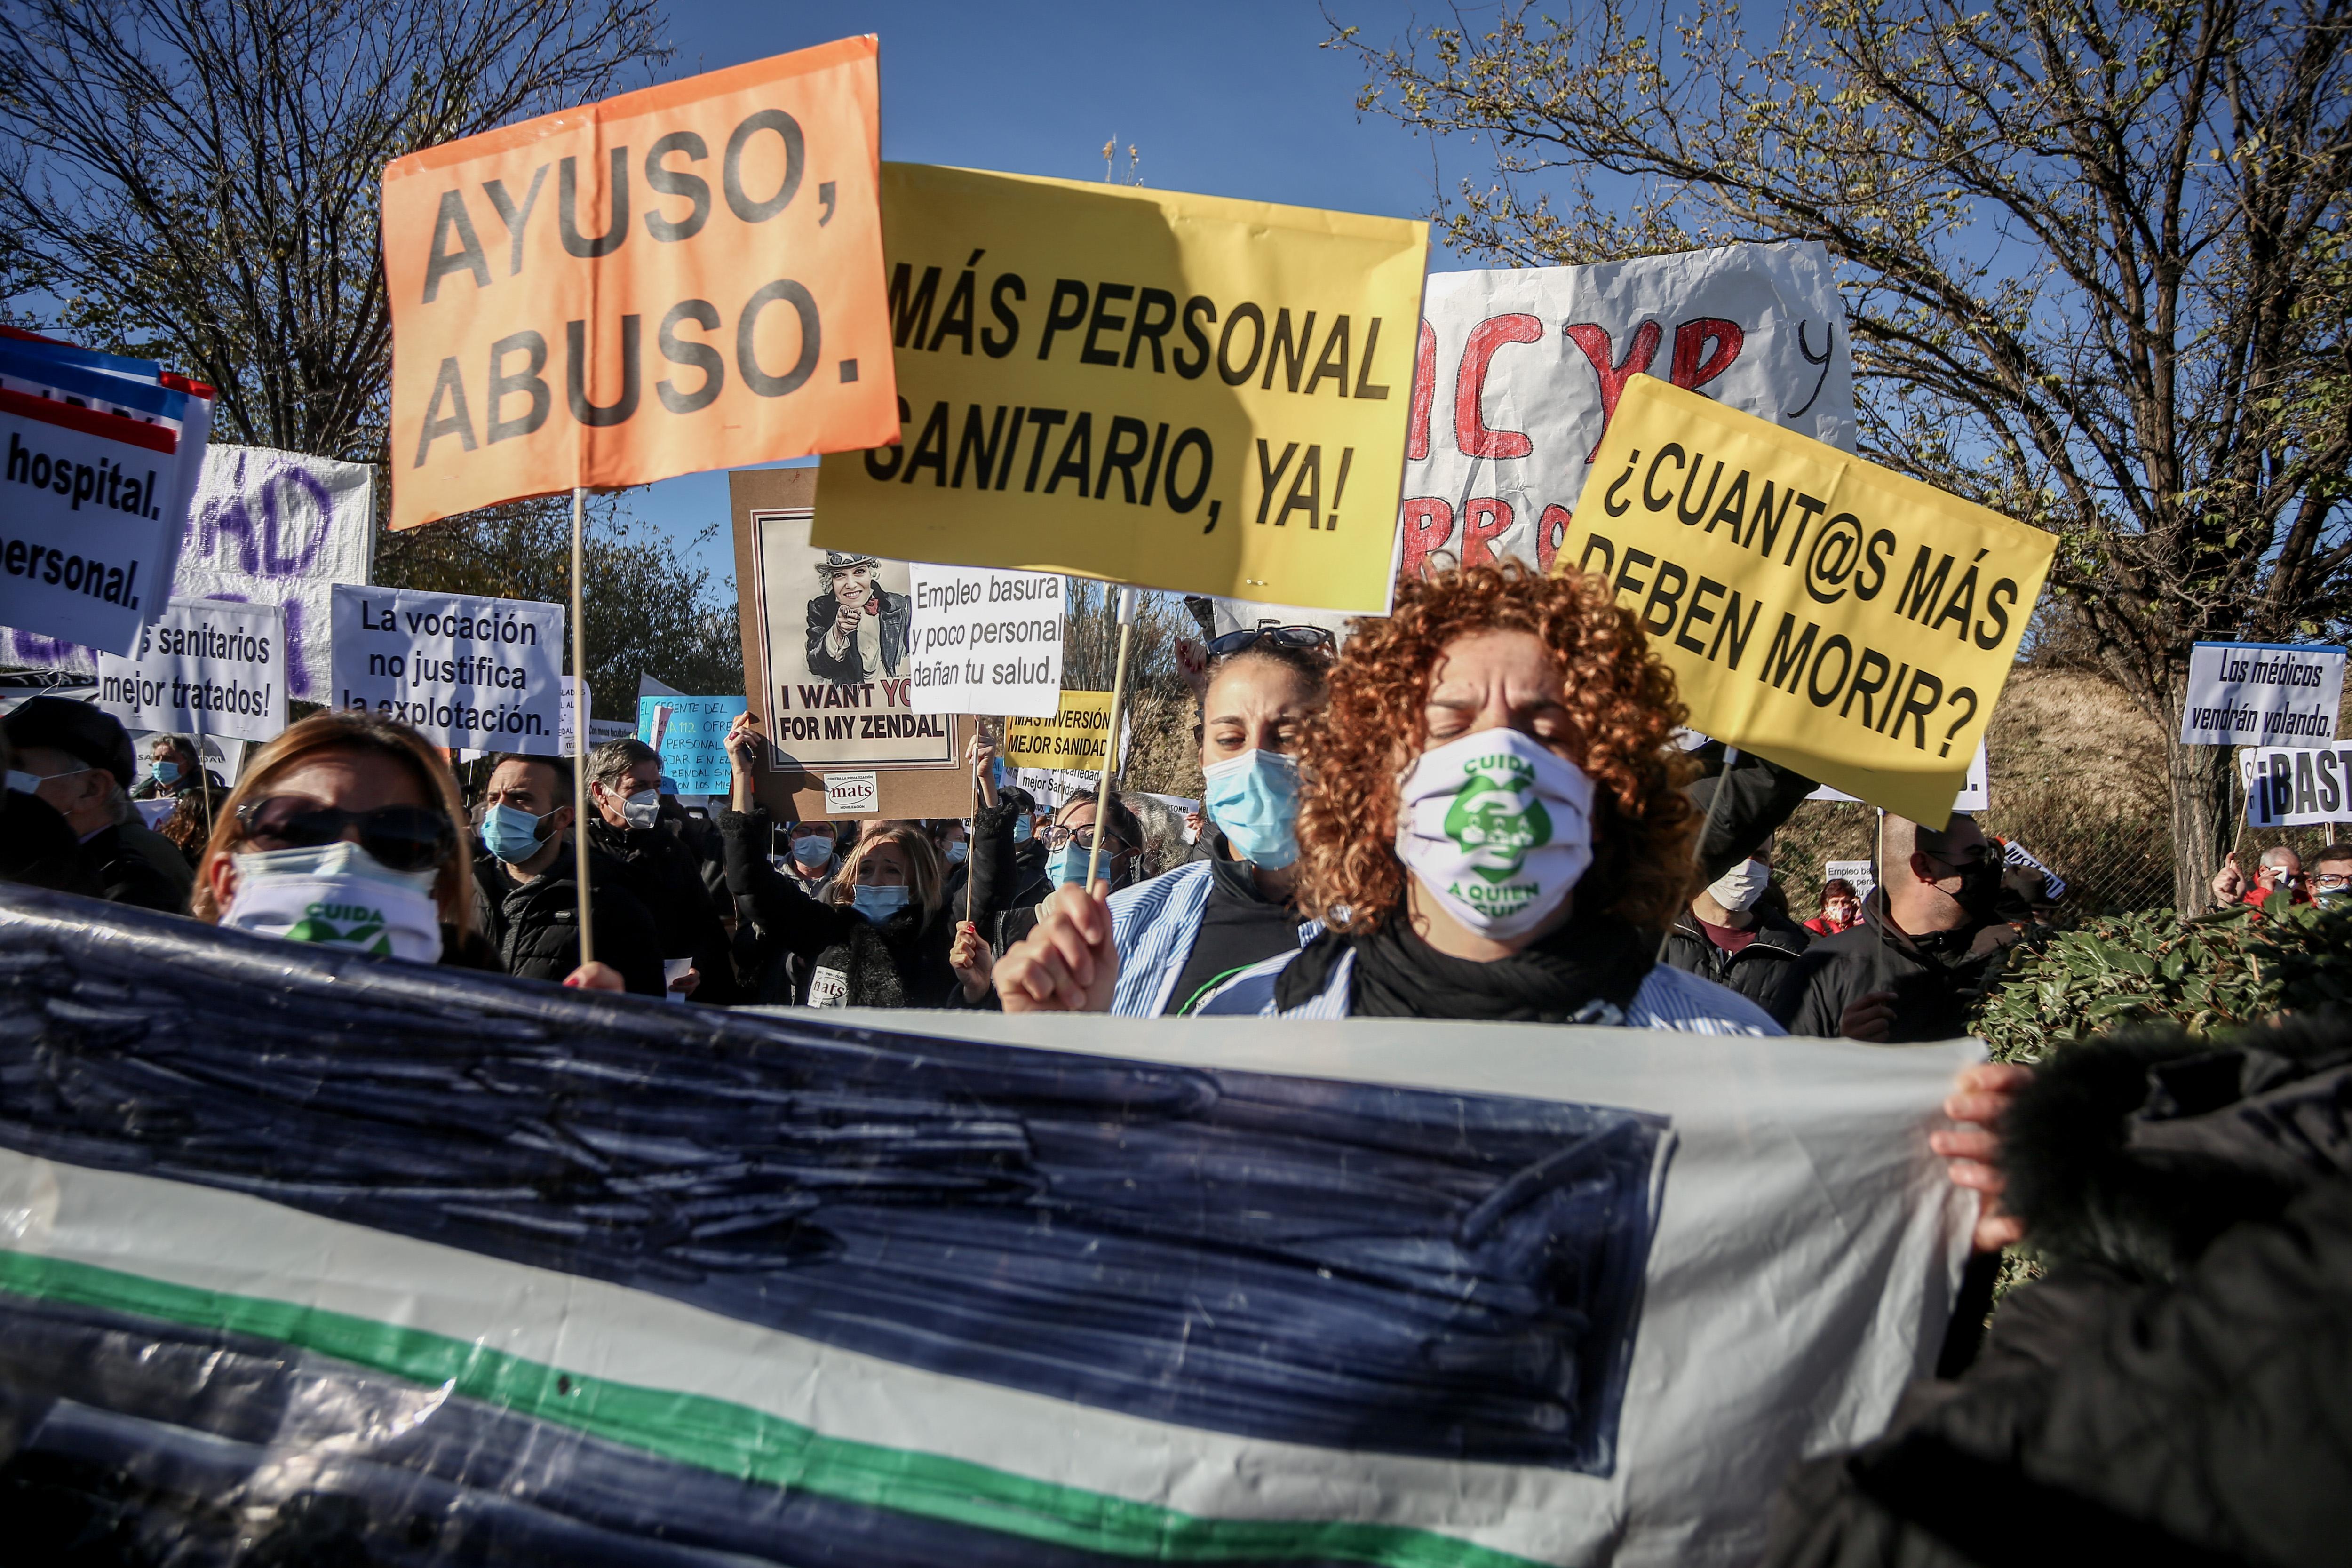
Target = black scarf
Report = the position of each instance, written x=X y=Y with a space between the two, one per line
x=1593 y=958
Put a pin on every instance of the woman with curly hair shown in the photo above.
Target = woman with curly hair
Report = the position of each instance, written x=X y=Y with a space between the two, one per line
x=1491 y=825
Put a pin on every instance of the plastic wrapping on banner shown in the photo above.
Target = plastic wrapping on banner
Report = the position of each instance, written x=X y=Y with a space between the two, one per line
x=306 y=1256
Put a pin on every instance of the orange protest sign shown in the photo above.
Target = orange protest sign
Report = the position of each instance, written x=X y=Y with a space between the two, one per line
x=680 y=279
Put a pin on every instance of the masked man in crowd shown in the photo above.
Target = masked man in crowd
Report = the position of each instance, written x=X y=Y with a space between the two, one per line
x=80 y=761
x=1731 y=934
x=527 y=885
x=1931 y=944
x=625 y=794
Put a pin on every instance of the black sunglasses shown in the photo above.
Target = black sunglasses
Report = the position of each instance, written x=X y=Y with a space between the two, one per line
x=403 y=837
x=1231 y=643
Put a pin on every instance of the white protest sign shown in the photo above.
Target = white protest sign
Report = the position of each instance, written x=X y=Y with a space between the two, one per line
x=2296 y=786
x=281 y=527
x=465 y=671
x=85 y=535
x=2262 y=694
x=203 y=667
x=985 y=642
x=1520 y=369
x=1976 y=794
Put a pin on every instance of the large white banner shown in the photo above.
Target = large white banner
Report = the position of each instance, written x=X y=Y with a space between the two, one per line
x=985 y=641
x=1520 y=368
x=204 y=666
x=267 y=527
x=467 y=672
x=2262 y=694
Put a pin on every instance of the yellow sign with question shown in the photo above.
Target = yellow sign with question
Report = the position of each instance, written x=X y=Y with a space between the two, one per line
x=1073 y=737
x=1831 y=614
x=1178 y=392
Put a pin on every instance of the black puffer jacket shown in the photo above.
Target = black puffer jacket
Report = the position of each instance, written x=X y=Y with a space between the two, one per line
x=1937 y=979
x=1765 y=971
x=656 y=866
x=535 y=925
x=849 y=960
x=2179 y=1388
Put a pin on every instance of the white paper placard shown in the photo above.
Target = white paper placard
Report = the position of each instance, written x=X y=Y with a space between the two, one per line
x=985 y=642
x=203 y=667
x=2262 y=694
x=465 y=671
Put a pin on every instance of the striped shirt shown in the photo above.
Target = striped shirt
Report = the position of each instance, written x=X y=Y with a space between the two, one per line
x=1667 y=999
x=1153 y=925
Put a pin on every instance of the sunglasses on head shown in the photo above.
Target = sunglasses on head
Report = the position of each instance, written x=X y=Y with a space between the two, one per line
x=402 y=837
x=1231 y=643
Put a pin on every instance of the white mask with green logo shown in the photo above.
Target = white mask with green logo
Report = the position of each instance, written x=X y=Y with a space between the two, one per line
x=1498 y=828
x=338 y=895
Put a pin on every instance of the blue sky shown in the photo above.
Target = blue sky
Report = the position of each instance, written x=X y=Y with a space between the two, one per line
x=1233 y=99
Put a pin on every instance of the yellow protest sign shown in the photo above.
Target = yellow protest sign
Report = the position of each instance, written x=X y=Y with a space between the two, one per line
x=1073 y=737
x=1826 y=613
x=1178 y=392
x=682 y=277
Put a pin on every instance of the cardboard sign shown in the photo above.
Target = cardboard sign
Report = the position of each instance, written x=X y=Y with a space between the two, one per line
x=203 y=667
x=2262 y=694
x=1076 y=737
x=830 y=689
x=690 y=734
x=1521 y=367
x=465 y=671
x=986 y=642
x=667 y=281
x=1175 y=391
x=1818 y=610
x=2296 y=786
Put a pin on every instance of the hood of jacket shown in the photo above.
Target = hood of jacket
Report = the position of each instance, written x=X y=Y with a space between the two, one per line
x=2137 y=1151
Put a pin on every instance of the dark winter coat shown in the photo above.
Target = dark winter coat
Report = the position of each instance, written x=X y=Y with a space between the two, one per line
x=1016 y=870
x=848 y=960
x=661 y=871
x=124 y=874
x=1765 y=971
x=535 y=925
x=1757 y=797
x=2177 y=1389
x=1937 y=979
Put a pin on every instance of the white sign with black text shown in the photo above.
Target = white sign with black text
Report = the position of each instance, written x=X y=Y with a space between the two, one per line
x=466 y=671
x=2262 y=694
x=203 y=667
x=2296 y=786
x=985 y=642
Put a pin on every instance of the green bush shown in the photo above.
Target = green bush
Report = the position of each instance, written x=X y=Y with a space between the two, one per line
x=2210 y=972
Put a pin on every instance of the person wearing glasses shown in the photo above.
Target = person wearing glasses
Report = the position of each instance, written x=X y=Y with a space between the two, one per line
x=347 y=831
x=2331 y=878
x=1931 y=945
x=1181 y=935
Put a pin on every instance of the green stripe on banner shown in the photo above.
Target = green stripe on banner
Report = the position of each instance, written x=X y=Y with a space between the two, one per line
x=735 y=1440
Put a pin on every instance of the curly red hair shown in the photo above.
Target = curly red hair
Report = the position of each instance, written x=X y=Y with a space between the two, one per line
x=1623 y=709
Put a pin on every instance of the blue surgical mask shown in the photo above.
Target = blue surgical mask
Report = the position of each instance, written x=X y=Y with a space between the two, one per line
x=1254 y=798
x=1066 y=867
x=878 y=904
x=513 y=835
x=812 y=851
x=1023 y=828
x=957 y=851
x=164 y=773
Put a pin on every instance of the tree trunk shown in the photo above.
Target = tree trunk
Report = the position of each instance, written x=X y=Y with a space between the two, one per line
x=2204 y=826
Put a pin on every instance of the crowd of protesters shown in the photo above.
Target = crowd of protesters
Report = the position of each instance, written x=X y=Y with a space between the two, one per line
x=1473 y=809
